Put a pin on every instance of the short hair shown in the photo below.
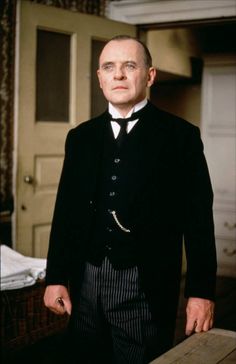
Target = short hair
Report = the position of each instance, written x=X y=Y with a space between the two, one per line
x=147 y=54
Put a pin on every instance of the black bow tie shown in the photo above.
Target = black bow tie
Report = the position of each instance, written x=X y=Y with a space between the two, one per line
x=123 y=122
x=133 y=117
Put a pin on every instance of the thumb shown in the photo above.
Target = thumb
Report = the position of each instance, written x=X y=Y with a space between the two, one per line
x=67 y=305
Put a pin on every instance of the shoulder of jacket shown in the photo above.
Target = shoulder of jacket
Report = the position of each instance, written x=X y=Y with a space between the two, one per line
x=88 y=126
x=172 y=121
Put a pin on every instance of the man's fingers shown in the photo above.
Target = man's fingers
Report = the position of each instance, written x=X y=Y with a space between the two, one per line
x=198 y=326
x=208 y=325
x=57 y=310
x=190 y=326
x=61 y=305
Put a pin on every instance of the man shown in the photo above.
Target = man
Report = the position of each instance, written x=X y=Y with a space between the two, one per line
x=130 y=191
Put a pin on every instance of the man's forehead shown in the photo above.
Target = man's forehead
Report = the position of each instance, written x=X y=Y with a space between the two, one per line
x=128 y=48
x=122 y=41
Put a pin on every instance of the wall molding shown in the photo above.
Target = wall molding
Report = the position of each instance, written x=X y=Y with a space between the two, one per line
x=149 y=12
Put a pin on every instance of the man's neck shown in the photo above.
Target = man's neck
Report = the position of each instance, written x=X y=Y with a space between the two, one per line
x=117 y=112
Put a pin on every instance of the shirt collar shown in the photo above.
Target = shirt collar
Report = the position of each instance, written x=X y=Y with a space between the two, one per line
x=115 y=114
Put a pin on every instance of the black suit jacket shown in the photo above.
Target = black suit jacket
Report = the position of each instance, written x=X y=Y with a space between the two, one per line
x=170 y=199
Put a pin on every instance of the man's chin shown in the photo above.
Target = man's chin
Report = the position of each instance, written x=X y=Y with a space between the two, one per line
x=120 y=101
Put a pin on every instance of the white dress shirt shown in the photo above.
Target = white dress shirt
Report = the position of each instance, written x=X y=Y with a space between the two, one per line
x=115 y=114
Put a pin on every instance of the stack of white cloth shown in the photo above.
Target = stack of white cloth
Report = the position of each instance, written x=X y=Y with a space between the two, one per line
x=18 y=271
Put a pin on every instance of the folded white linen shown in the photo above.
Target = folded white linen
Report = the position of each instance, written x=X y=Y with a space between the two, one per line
x=17 y=283
x=19 y=271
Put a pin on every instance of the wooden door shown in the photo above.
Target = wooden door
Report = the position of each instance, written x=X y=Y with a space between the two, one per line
x=219 y=132
x=54 y=95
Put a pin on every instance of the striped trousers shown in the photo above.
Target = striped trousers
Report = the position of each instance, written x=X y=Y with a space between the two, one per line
x=113 y=322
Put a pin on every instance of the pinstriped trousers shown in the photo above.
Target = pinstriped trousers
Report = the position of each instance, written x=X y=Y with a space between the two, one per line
x=114 y=324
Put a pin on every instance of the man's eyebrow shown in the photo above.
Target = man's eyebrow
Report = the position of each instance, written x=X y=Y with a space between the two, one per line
x=130 y=61
x=107 y=63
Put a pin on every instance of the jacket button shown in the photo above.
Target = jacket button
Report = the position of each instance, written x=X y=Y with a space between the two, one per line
x=108 y=247
x=114 y=178
x=117 y=160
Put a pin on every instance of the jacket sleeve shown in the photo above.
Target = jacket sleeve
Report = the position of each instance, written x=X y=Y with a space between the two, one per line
x=57 y=259
x=198 y=222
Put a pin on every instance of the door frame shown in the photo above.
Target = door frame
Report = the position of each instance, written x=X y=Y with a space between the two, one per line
x=86 y=29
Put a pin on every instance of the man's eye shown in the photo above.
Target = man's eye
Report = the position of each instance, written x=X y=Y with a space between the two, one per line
x=130 y=66
x=108 y=67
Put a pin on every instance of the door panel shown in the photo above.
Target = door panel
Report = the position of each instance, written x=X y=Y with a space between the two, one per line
x=41 y=139
x=218 y=133
x=47 y=170
x=40 y=239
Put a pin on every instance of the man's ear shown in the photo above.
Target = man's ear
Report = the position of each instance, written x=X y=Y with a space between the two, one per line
x=152 y=72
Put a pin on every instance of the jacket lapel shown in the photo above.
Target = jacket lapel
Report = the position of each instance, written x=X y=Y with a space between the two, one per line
x=94 y=152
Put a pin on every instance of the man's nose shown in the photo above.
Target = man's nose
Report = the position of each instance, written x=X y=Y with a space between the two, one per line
x=119 y=73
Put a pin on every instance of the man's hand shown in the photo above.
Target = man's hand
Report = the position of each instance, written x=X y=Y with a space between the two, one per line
x=57 y=299
x=200 y=314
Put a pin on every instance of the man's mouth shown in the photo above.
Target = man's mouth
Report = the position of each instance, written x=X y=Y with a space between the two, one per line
x=120 y=88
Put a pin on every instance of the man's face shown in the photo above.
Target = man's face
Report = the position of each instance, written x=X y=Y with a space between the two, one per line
x=123 y=74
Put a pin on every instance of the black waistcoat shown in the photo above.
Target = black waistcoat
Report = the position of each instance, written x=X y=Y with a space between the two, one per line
x=116 y=169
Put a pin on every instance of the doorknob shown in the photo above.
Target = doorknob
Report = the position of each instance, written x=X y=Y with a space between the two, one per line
x=28 y=179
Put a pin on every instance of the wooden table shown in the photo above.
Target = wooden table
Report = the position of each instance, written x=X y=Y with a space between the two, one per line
x=212 y=347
